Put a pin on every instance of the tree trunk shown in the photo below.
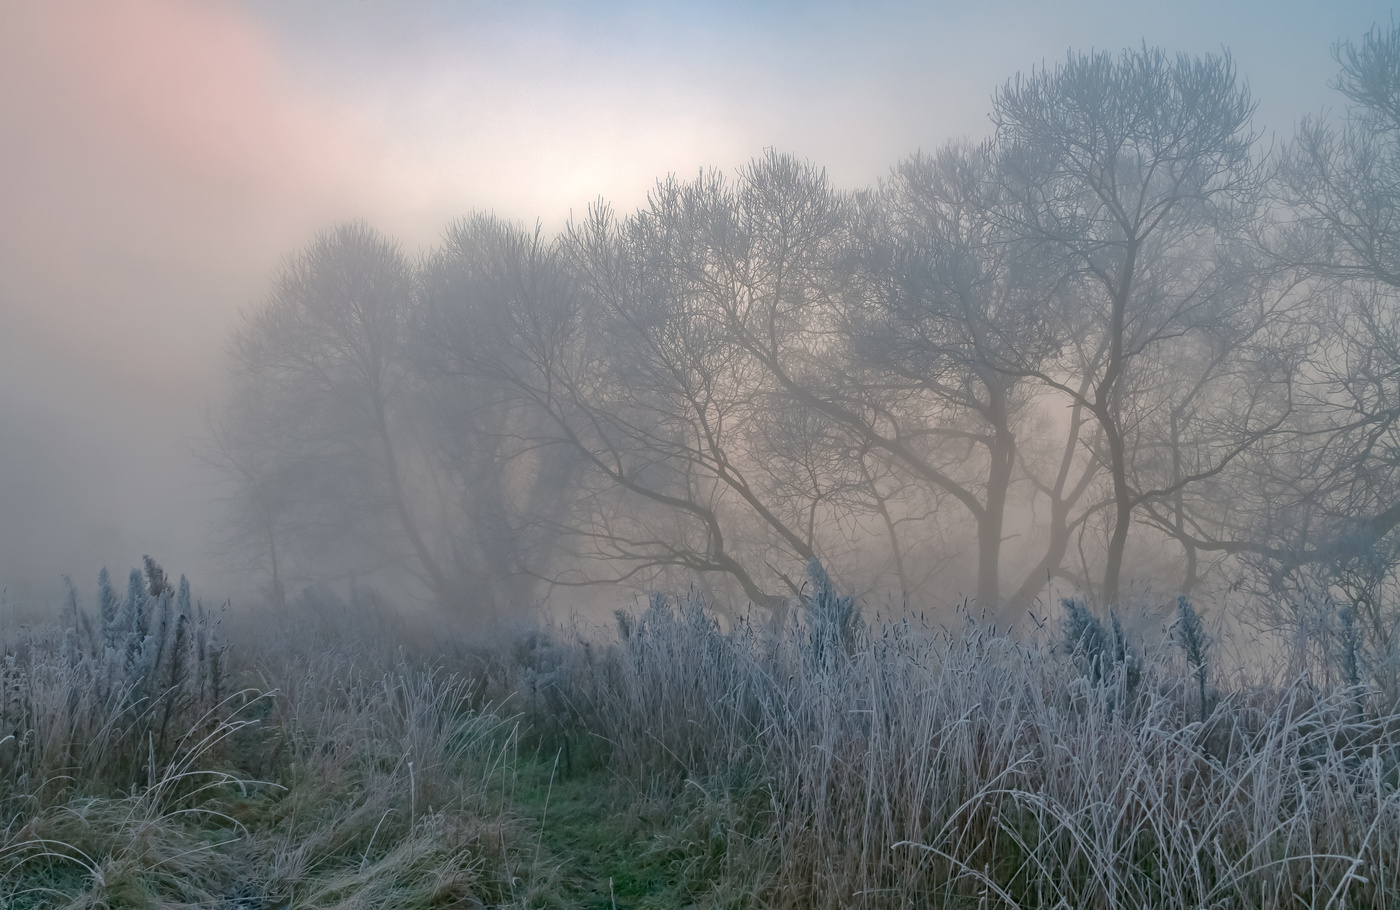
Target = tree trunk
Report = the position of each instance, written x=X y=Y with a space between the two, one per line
x=1122 y=512
x=442 y=588
x=1061 y=503
x=1105 y=409
x=279 y=593
x=993 y=518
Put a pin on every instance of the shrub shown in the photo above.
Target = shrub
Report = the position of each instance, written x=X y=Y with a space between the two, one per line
x=1195 y=642
x=109 y=701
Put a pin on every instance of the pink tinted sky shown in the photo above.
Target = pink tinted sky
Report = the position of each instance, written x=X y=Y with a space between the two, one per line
x=157 y=158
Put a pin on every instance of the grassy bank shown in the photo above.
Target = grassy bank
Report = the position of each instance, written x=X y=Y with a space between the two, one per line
x=669 y=763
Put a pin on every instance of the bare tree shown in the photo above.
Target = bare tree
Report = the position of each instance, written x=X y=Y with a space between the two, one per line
x=606 y=373
x=263 y=518
x=947 y=317
x=1341 y=189
x=1136 y=170
x=1324 y=549
x=688 y=418
x=495 y=310
x=324 y=356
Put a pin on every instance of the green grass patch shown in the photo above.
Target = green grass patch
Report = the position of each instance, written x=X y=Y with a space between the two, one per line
x=593 y=831
x=602 y=843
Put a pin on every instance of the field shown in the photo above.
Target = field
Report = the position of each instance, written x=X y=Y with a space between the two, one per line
x=668 y=761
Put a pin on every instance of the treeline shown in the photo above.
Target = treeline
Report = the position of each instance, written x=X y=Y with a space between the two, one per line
x=1123 y=338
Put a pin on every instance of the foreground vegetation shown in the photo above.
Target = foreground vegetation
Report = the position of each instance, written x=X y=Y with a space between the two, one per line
x=834 y=762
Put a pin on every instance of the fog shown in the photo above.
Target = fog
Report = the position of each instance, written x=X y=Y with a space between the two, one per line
x=158 y=160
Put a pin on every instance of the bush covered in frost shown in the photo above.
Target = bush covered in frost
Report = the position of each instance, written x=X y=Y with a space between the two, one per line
x=115 y=693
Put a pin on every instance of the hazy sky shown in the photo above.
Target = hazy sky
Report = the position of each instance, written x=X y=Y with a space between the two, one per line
x=158 y=157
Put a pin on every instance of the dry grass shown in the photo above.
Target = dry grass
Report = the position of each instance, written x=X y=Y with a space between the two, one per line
x=903 y=765
x=325 y=783
x=829 y=764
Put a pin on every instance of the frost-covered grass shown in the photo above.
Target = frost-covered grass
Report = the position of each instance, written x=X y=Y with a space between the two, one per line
x=667 y=762
x=901 y=765
x=322 y=781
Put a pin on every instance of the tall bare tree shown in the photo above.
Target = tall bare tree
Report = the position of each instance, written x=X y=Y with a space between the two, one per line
x=325 y=356
x=598 y=347
x=948 y=319
x=1331 y=530
x=1136 y=170
x=496 y=311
